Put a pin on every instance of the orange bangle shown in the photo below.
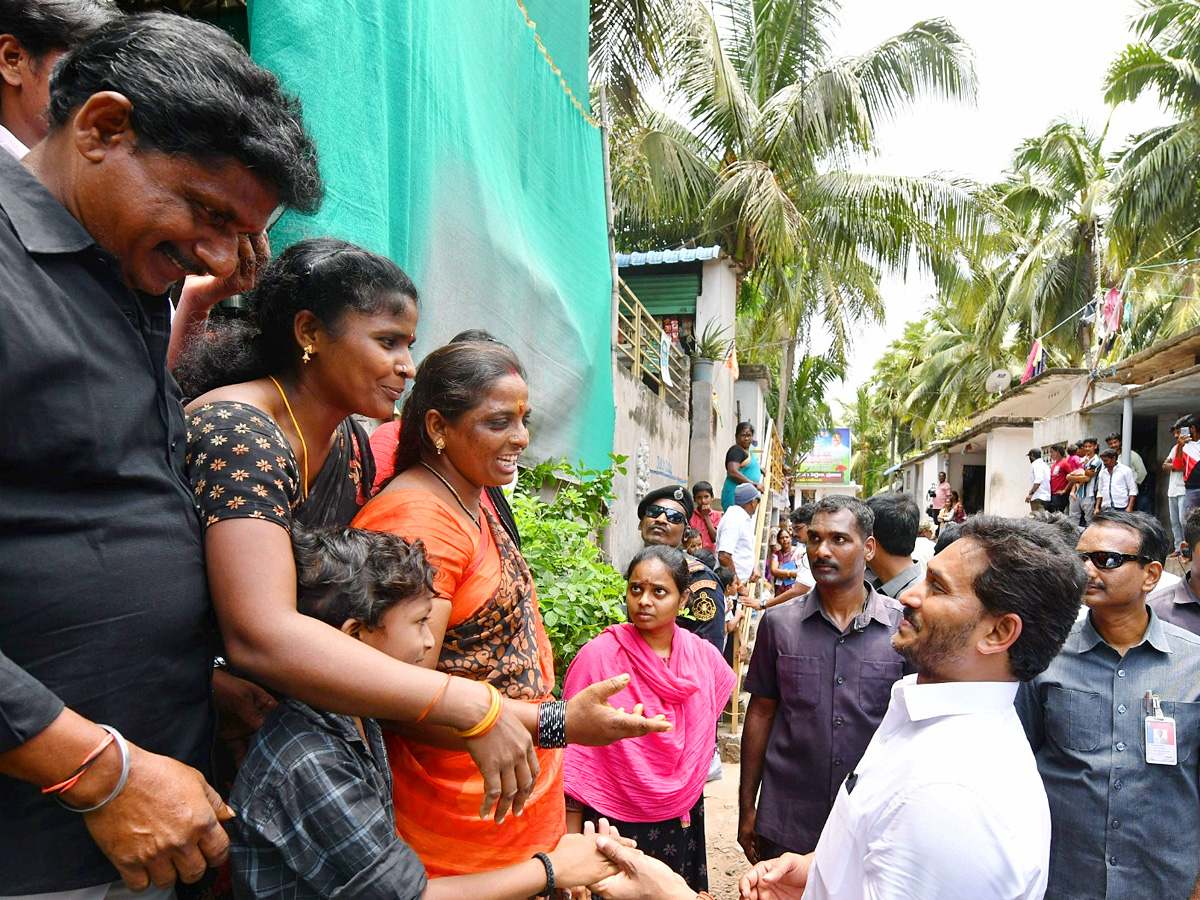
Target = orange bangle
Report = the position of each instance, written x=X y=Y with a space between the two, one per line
x=433 y=702
x=490 y=718
x=74 y=777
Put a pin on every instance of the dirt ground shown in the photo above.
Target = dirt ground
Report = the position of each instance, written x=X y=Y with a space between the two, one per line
x=726 y=862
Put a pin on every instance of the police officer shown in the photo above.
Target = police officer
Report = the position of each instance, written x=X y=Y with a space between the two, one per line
x=663 y=515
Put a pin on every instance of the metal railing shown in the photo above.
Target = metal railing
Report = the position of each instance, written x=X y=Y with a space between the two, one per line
x=639 y=349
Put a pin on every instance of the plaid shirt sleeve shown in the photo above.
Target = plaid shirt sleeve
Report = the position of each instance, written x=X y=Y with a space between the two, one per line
x=320 y=825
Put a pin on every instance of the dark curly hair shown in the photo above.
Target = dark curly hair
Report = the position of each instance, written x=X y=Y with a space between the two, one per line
x=1028 y=573
x=325 y=276
x=196 y=92
x=351 y=573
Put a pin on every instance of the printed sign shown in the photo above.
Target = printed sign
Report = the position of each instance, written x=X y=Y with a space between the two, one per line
x=828 y=462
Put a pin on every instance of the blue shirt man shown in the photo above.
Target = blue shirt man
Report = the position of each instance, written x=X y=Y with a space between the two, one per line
x=1125 y=813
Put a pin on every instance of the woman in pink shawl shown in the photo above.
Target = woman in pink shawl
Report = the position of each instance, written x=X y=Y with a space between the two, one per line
x=652 y=788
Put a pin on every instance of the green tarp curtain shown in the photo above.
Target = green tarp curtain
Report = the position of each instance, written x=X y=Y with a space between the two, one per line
x=448 y=143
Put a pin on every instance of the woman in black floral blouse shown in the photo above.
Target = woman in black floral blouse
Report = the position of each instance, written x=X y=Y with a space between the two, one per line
x=271 y=443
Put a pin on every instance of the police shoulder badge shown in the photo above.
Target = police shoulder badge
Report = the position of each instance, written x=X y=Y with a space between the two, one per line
x=702 y=607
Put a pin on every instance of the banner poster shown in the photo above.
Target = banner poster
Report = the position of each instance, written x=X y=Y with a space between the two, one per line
x=828 y=462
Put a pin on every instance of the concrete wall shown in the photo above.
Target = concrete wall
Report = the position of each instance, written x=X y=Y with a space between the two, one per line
x=749 y=398
x=1007 y=471
x=1073 y=426
x=713 y=410
x=655 y=439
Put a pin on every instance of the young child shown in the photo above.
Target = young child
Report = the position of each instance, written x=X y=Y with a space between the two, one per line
x=314 y=795
x=733 y=608
x=691 y=541
x=652 y=788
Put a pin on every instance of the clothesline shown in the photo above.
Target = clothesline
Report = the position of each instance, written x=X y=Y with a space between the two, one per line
x=1181 y=262
x=1163 y=296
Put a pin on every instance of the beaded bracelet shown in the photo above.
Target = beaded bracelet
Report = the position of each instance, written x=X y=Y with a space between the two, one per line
x=491 y=717
x=549 y=891
x=552 y=725
x=124 y=748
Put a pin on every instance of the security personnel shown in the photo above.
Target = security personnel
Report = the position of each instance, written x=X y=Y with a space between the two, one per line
x=663 y=516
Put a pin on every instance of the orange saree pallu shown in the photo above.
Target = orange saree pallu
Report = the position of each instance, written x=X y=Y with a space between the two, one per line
x=494 y=634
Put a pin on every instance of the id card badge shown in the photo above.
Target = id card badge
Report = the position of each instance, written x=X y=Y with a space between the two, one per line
x=1160 y=741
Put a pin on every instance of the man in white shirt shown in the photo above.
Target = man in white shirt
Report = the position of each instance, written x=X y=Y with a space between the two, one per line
x=735 y=534
x=1176 y=489
x=1135 y=459
x=1038 y=497
x=1116 y=485
x=947 y=802
x=33 y=35
x=923 y=550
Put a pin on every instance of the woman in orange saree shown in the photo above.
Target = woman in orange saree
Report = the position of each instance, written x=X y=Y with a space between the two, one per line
x=463 y=428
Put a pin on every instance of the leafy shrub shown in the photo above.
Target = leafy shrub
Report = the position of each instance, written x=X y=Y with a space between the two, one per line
x=579 y=593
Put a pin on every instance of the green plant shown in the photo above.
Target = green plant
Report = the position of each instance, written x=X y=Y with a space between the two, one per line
x=579 y=593
x=713 y=342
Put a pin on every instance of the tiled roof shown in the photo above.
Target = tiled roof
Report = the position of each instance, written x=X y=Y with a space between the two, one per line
x=664 y=257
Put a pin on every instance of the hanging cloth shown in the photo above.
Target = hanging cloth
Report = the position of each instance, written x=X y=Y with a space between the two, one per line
x=1036 y=363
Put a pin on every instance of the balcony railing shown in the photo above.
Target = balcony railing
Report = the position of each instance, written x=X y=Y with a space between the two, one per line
x=639 y=349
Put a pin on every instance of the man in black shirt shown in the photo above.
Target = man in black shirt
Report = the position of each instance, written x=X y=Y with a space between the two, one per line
x=167 y=146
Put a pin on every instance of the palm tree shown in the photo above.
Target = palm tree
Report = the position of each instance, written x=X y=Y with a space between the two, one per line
x=869 y=441
x=629 y=41
x=758 y=156
x=807 y=411
x=1158 y=200
x=1058 y=200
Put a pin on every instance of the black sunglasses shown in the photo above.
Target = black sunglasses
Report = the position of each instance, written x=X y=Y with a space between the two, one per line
x=674 y=516
x=1110 y=559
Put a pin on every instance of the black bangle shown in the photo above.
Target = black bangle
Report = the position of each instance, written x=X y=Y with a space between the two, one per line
x=552 y=725
x=549 y=891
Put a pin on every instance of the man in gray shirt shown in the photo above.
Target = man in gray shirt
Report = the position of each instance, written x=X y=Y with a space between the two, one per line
x=820 y=681
x=897 y=520
x=1179 y=604
x=1125 y=810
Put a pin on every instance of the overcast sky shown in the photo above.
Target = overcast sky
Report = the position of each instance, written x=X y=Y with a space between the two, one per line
x=1036 y=61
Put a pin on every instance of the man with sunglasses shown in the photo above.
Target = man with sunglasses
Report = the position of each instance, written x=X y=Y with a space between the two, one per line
x=819 y=679
x=1114 y=723
x=662 y=519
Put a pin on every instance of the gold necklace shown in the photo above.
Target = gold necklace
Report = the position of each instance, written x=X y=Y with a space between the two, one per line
x=300 y=434
x=450 y=487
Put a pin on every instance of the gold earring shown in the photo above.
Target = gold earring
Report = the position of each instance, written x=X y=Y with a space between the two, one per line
x=440 y=445
x=308 y=349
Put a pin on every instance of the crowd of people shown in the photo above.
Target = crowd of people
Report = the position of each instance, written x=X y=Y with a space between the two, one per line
x=238 y=630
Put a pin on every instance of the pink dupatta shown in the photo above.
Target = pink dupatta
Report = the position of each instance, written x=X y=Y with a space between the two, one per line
x=659 y=776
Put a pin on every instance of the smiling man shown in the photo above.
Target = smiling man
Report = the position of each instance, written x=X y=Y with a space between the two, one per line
x=819 y=679
x=1115 y=725
x=946 y=802
x=167 y=146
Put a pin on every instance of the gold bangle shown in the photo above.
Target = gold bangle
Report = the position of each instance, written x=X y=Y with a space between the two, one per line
x=490 y=718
